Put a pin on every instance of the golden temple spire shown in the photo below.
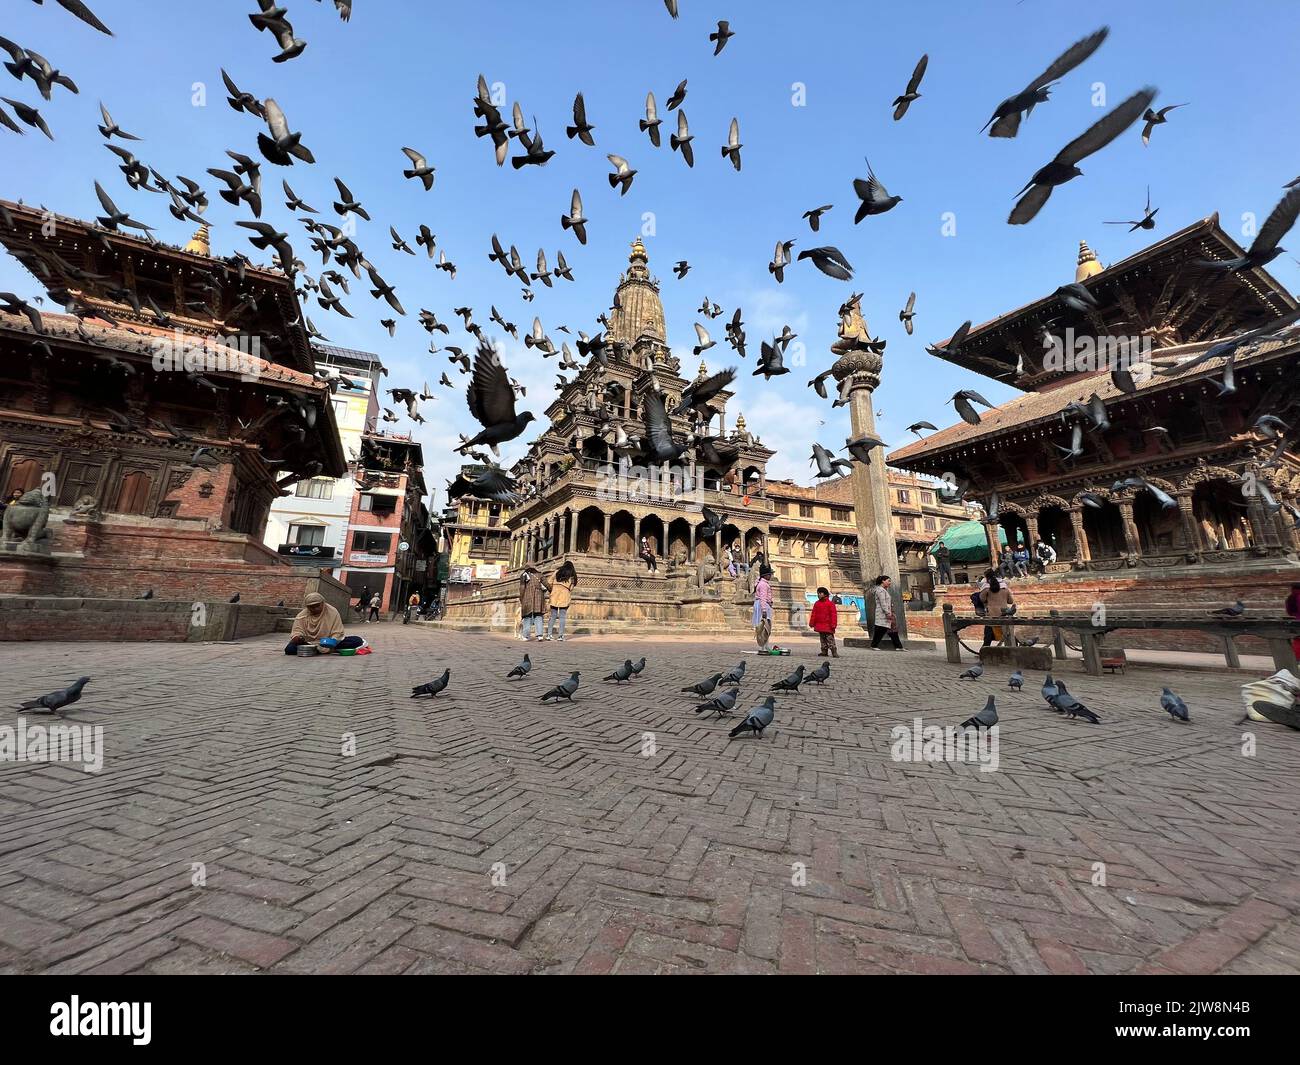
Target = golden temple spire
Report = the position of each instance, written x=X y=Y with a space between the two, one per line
x=1088 y=266
x=704 y=368
x=740 y=424
x=200 y=243
x=638 y=252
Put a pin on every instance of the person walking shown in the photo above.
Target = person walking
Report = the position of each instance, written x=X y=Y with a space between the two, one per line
x=561 y=589
x=532 y=602
x=412 y=607
x=995 y=598
x=884 y=623
x=375 y=603
x=943 y=556
x=763 y=609
x=823 y=620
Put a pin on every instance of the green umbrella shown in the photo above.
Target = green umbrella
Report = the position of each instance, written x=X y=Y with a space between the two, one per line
x=967 y=542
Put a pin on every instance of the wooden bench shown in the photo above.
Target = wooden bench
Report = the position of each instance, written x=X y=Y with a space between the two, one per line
x=1276 y=632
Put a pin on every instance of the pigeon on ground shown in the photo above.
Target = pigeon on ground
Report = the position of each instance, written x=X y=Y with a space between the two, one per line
x=720 y=704
x=1016 y=681
x=757 y=719
x=522 y=669
x=704 y=687
x=433 y=687
x=638 y=666
x=735 y=676
x=47 y=704
x=235 y=598
x=1235 y=611
x=565 y=689
x=974 y=673
x=1049 y=688
x=624 y=672
x=147 y=595
x=1070 y=706
x=986 y=718
x=1174 y=705
x=790 y=683
x=821 y=674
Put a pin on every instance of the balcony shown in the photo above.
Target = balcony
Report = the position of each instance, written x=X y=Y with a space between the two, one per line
x=309 y=552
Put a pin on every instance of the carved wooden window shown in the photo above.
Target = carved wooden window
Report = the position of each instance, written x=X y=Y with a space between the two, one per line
x=24 y=475
x=133 y=493
x=79 y=479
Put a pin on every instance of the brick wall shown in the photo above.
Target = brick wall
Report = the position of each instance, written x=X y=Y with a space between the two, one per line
x=1192 y=589
x=48 y=618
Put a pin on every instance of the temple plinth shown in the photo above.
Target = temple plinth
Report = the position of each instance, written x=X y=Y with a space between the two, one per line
x=857 y=371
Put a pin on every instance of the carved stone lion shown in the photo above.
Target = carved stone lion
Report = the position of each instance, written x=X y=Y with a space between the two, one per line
x=26 y=521
x=706 y=573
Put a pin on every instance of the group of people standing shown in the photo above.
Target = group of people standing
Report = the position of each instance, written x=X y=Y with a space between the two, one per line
x=536 y=592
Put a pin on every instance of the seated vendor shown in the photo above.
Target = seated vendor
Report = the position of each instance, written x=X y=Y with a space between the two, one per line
x=319 y=625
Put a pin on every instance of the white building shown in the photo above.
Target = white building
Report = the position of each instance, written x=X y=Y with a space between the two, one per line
x=311 y=526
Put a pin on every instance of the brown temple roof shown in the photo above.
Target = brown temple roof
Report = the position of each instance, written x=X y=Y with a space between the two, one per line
x=1215 y=306
x=1038 y=408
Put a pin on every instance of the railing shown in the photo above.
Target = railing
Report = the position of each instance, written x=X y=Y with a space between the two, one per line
x=309 y=551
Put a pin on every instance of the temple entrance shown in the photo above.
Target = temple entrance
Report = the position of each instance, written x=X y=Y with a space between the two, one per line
x=679 y=539
x=1158 y=527
x=1056 y=530
x=652 y=528
x=591 y=531
x=1219 y=512
x=1104 y=529
x=1016 y=529
x=622 y=535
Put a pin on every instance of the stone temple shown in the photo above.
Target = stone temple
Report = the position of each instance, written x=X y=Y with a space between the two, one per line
x=586 y=503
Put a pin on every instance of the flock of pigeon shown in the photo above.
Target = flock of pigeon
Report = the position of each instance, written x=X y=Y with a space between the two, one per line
x=722 y=690
x=492 y=393
x=1060 y=699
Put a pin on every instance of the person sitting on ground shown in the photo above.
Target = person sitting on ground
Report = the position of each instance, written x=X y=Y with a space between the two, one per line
x=319 y=625
x=1046 y=556
x=823 y=620
x=1020 y=560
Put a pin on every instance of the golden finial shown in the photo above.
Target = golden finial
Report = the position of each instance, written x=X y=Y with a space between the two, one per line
x=740 y=423
x=638 y=251
x=704 y=368
x=1088 y=265
x=200 y=243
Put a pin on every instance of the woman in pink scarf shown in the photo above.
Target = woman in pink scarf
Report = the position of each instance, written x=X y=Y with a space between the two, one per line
x=763 y=608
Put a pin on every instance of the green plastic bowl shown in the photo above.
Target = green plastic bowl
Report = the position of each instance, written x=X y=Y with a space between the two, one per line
x=345 y=651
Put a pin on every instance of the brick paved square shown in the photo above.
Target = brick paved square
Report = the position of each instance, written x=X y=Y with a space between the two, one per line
x=483 y=831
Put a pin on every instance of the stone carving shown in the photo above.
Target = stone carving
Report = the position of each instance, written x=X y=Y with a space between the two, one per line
x=25 y=522
x=706 y=573
x=87 y=509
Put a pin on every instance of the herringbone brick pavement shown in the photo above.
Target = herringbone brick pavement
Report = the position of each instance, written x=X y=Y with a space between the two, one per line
x=486 y=832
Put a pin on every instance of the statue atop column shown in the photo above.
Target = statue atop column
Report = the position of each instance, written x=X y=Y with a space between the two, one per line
x=858 y=353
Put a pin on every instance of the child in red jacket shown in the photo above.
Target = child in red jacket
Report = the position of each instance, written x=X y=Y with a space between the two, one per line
x=823 y=620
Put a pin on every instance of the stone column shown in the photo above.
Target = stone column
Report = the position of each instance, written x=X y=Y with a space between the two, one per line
x=607 y=543
x=691 y=557
x=1262 y=526
x=877 y=551
x=573 y=532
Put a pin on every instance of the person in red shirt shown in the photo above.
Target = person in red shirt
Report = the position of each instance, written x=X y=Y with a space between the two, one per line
x=823 y=621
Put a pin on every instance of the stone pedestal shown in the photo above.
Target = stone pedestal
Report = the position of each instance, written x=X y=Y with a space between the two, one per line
x=24 y=573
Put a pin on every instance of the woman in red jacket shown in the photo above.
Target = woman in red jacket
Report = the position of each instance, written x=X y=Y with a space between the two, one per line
x=823 y=620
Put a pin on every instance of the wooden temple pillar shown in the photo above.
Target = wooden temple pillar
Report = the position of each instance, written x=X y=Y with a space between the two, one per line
x=1132 y=541
x=990 y=538
x=1263 y=529
x=1083 y=552
x=573 y=532
x=1191 y=528
x=607 y=545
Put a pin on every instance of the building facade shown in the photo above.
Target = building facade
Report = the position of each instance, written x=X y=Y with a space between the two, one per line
x=157 y=423
x=310 y=527
x=1175 y=499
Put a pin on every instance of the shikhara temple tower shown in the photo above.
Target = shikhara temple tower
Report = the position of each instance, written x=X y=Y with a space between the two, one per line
x=585 y=500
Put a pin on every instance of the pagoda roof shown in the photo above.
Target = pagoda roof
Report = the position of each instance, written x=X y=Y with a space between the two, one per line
x=1040 y=408
x=85 y=260
x=1153 y=288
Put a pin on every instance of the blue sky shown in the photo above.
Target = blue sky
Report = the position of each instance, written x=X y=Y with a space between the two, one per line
x=403 y=72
